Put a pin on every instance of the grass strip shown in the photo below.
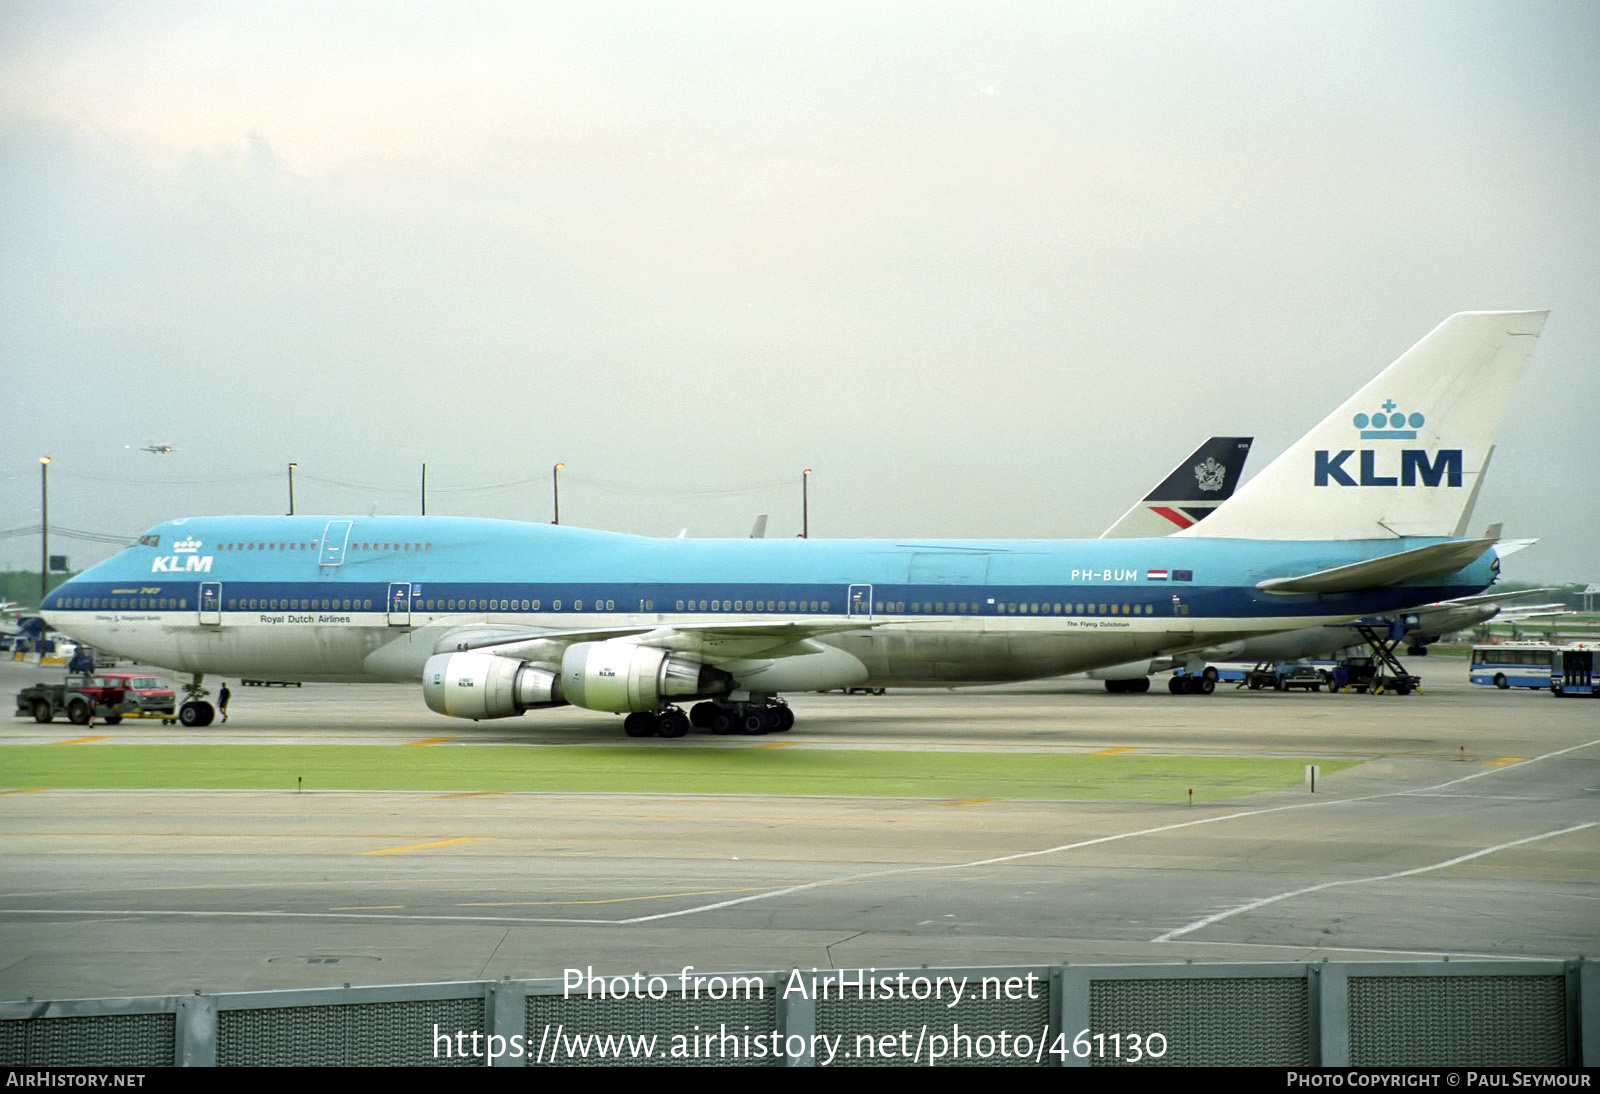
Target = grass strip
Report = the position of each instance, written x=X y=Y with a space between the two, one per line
x=651 y=770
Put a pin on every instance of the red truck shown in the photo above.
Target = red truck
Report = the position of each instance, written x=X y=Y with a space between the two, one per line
x=109 y=696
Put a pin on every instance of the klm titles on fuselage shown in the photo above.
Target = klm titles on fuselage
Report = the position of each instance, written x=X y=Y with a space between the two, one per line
x=1416 y=468
x=185 y=559
x=181 y=564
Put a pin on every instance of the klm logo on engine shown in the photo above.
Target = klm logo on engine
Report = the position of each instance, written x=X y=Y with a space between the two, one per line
x=1417 y=466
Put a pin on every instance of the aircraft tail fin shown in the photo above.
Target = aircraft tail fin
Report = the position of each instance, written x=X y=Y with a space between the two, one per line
x=1401 y=457
x=1196 y=486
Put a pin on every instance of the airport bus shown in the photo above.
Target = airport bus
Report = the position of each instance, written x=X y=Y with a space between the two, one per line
x=1514 y=664
x=1574 y=672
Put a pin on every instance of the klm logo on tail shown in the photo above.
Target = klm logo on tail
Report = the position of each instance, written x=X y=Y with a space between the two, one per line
x=1417 y=466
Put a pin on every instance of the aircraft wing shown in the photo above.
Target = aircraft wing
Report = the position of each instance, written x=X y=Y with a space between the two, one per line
x=1375 y=573
x=711 y=640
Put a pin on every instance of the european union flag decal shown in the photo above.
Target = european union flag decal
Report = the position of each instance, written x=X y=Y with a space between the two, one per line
x=1183 y=575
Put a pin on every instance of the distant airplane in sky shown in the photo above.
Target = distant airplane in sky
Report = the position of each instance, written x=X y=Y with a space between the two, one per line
x=157 y=449
x=1363 y=516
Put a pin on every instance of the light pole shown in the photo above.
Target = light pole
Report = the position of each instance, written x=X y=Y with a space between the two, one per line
x=424 y=489
x=555 y=486
x=805 y=504
x=44 y=527
x=292 y=466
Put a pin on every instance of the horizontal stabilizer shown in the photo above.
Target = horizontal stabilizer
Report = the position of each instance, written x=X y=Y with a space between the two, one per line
x=1377 y=573
x=1501 y=597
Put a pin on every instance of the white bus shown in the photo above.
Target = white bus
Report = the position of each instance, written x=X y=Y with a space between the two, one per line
x=1514 y=664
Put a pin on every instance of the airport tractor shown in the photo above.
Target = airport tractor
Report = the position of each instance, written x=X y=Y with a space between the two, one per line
x=111 y=697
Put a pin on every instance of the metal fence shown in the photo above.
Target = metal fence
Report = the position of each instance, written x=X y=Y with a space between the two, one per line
x=1503 y=1013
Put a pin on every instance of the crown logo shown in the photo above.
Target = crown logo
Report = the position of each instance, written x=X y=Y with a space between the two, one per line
x=188 y=546
x=1389 y=424
x=1210 y=475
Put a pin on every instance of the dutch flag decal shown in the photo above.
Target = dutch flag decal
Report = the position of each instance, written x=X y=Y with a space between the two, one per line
x=1155 y=575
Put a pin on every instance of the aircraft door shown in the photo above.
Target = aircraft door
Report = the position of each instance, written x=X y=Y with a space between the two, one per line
x=400 y=604
x=860 y=601
x=334 y=538
x=211 y=603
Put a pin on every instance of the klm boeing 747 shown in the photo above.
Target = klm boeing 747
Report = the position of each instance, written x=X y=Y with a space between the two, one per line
x=495 y=618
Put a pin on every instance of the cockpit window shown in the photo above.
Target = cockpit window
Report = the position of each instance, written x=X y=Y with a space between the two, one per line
x=149 y=541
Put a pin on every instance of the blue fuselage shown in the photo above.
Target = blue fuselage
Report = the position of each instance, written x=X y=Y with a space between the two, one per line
x=363 y=598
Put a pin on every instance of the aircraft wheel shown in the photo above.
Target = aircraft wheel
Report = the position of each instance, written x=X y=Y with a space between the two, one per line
x=78 y=713
x=1211 y=674
x=195 y=714
x=1176 y=686
x=1141 y=685
x=639 y=724
x=1500 y=681
x=723 y=721
x=1204 y=685
x=42 y=711
x=700 y=715
x=1114 y=686
x=785 y=719
x=754 y=723
x=672 y=724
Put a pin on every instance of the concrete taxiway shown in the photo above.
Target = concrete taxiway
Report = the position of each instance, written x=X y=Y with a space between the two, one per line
x=1471 y=826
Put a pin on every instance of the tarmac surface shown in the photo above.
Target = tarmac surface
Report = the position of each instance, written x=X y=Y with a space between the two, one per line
x=1471 y=827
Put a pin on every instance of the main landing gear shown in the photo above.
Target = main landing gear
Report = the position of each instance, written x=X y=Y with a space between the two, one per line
x=195 y=712
x=720 y=718
x=1200 y=683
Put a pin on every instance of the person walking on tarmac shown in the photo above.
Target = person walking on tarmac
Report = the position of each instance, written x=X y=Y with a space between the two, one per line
x=222 y=701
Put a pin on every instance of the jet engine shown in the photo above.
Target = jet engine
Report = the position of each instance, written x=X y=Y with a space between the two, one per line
x=625 y=676
x=481 y=685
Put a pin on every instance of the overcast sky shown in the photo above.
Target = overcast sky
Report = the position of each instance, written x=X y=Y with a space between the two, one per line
x=987 y=269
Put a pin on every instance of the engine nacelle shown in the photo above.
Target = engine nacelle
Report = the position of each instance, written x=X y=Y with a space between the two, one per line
x=481 y=685
x=625 y=676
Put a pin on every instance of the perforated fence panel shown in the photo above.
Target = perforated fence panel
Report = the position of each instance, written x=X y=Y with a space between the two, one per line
x=897 y=1031
x=1532 y=1013
x=634 y=1032
x=1232 y=1021
x=1458 y=1021
x=107 y=1040
x=349 y=1035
